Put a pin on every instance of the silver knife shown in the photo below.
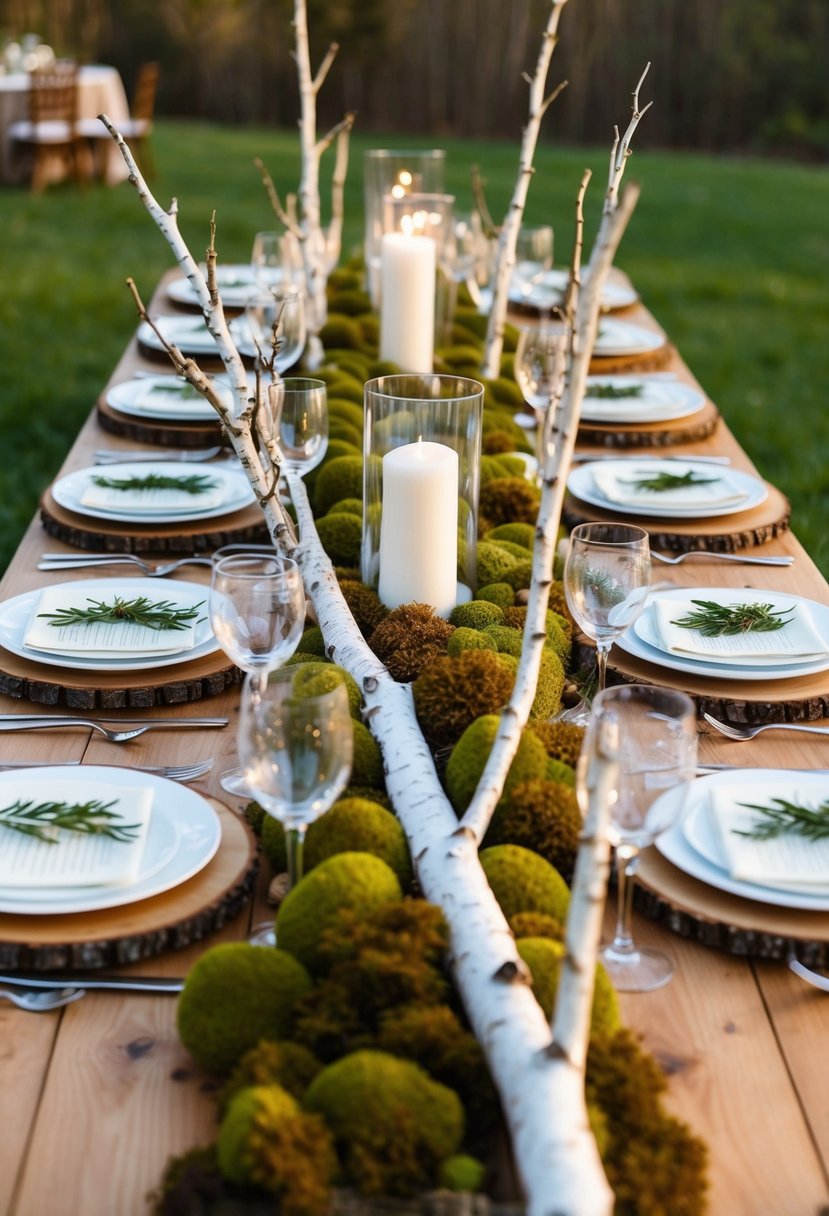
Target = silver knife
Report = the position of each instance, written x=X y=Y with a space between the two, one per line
x=135 y=983
x=589 y=457
x=114 y=719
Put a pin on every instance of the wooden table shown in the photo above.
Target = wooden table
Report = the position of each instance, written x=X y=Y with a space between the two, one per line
x=96 y=1097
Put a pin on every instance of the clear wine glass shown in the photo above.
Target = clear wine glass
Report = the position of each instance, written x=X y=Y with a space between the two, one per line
x=533 y=256
x=275 y=328
x=654 y=733
x=257 y=611
x=267 y=260
x=606 y=579
x=295 y=751
x=302 y=422
x=540 y=359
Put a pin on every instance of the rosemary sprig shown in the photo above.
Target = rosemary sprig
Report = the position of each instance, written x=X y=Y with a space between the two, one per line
x=614 y=392
x=787 y=817
x=725 y=620
x=43 y=820
x=658 y=482
x=196 y=483
x=187 y=392
x=164 y=614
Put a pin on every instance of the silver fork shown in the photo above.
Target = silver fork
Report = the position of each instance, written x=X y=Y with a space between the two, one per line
x=722 y=557
x=175 y=772
x=741 y=733
x=71 y=561
x=189 y=456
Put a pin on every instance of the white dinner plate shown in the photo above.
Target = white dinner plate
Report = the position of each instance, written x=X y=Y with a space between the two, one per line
x=236 y=490
x=184 y=834
x=125 y=398
x=660 y=400
x=548 y=288
x=617 y=337
x=189 y=333
x=641 y=639
x=236 y=285
x=16 y=612
x=675 y=847
x=580 y=483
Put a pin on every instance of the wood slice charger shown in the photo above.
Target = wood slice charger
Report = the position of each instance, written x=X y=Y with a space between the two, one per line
x=116 y=936
x=157 y=430
x=692 y=429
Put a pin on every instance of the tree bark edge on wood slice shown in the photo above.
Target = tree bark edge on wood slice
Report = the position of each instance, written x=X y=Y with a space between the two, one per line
x=158 y=432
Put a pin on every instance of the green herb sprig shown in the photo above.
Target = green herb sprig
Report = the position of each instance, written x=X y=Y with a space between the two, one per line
x=659 y=482
x=164 y=614
x=187 y=392
x=726 y=620
x=784 y=817
x=197 y=483
x=44 y=820
x=614 y=392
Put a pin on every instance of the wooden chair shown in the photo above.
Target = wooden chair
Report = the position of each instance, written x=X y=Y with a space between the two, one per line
x=136 y=129
x=50 y=131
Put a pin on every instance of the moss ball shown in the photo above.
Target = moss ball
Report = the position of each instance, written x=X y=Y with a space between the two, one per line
x=493 y=564
x=354 y=880
x=476 y=615
x=337 y=479
x=452 y=692
x=509 y=500
x=347 y=506
x=235 y=995
x=543 y=816
x=312 y=642
x=470 y=754
x=392 y=1123
x=367 y=761
x=409 y=638
x=273 y=1062
x=563 y=740
x=524 y=882
x=518 y=552
x=364 y=604
x=504 y=639
x=551 y=677
x=537 y=924
x=352 y=302
x=266 y=1140
x=544 y=956
x=497 y=593
x=341 y=536
x=315 y=679
x=516 y=534
x=519 y=575
x=468 y=639
x=339 y=331
x=462 y=1173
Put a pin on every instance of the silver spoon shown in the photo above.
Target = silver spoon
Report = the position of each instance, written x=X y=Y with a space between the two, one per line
x=43 y=1002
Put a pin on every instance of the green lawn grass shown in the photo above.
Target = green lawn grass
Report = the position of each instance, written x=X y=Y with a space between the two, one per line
x=731 y=256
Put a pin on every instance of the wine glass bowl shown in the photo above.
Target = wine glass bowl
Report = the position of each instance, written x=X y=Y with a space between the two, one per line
x=606 y=580
x=302 y=422
x=540 y=361
x=274 y=329
x=655 y=739
x=533 y=256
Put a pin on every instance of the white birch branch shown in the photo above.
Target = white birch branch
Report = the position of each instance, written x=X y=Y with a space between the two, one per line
x=538 y=106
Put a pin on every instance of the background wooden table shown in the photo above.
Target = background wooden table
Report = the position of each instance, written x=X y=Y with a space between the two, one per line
x=94 y=1098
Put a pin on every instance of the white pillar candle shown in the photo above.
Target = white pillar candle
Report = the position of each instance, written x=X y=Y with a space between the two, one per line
x=419 y=527
x=407 y=301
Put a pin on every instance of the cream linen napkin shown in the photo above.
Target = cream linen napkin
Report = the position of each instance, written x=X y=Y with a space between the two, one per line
x=169 y=396
x=615 y=482
x=798 y=640
x=76 y=859
x=154 y=502
x=98 y=640
x=787 y=860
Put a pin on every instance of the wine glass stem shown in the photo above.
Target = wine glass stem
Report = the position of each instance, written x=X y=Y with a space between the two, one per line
x=627 y=857
x=294 y=842
x=602 y=651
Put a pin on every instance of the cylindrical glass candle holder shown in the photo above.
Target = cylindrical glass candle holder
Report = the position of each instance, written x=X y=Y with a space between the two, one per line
x=421 y=478
x=396 y=172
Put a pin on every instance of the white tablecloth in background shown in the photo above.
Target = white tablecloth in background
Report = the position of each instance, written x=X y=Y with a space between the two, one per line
x=100 y=90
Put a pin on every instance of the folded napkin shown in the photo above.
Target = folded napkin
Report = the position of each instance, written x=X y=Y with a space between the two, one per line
x=122 y=640
x=76 y=859
x=616 y=481
x=797 y=641
x=168 y=396
x=787 y=860
x=186 y=332
x=153 y=502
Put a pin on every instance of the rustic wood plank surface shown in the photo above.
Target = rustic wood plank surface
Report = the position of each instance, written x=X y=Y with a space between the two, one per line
x=95 y=1097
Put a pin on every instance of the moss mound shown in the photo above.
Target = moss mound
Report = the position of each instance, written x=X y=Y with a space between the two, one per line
x=315 y=679
x=509 y=500
x=462 y=1173
x=273 y=1062
x=519 y=534
x=345 y=880
x=493 y=564
x=476 y=615
x=341 y=536
x=544 y=957
x=522 y=881
x=452 y=692
x=562 y=740
x=393 y=1125
x=497 y=593
x=536 y=924
x=365 y=605
x=265 y=1140
x=337 y=479
x=409 y=638
x=468 y=639
x=543 y=816
x=353 y=825
x=471 y=752
x=235 y=995
x=347 y=506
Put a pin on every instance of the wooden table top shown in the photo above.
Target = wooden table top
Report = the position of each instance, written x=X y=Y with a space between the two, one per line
x=94 y=1098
